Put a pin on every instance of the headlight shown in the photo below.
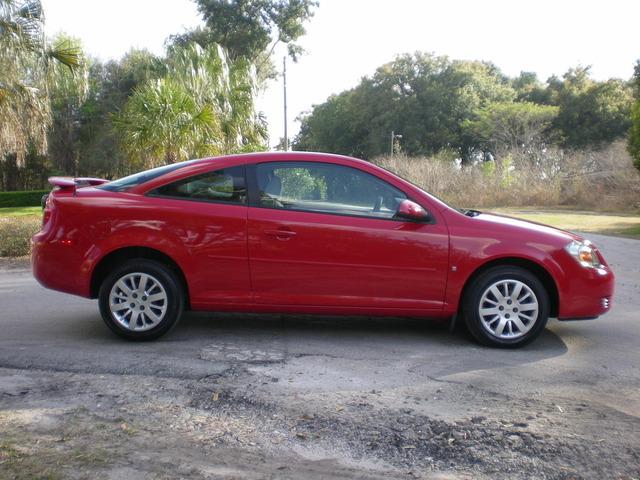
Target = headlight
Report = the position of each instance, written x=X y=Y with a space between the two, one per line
x=584 y=253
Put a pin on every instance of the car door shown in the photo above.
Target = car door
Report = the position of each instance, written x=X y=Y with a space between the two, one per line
x=207 y=212
x=324 y=234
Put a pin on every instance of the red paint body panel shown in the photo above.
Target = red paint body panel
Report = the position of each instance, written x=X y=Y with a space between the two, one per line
x=247 y=258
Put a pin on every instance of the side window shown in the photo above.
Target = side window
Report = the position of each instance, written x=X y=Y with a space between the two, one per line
x=227 y=185
x=327 y=188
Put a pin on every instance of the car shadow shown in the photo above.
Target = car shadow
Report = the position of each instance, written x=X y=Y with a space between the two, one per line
x=415 y=344
x=206 y=344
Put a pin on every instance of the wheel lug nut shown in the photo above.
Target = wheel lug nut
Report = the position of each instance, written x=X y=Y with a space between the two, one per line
x=500 y=308
x=506 y=316
x=135 y=295
x=515 y=310
x=132 y=305
x=141 y=307
x=144 y=299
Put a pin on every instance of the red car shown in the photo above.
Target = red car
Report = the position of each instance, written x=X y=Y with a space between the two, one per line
x=306 y=233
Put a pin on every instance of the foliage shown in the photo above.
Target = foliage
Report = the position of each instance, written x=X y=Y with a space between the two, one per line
x=249 y=28
x=26 y=59
x=110 y=85
x=511 y=126
x=600 y=179
x=423 y=97
x=204 y=105
x=15 y=235
x=634 y=133
x=591 y=113
x=469 y=107
x=21 y=199
x=68 y=92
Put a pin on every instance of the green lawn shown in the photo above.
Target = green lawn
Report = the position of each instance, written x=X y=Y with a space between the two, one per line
x=605 y=223
x=19 y=211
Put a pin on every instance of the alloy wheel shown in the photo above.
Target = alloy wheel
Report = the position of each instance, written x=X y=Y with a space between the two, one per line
x=138 y=301
x=508 y=309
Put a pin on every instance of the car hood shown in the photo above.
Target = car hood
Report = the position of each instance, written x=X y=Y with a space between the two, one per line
x=507 y=224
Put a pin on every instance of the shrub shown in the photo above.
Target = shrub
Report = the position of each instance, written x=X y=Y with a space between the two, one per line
x=15 y=235
x=21 y=199
x=590 y=179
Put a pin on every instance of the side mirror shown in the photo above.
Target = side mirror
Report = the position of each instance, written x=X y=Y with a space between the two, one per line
x=411 y=211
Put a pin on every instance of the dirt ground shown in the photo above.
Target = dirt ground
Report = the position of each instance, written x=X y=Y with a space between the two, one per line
x=69 y=425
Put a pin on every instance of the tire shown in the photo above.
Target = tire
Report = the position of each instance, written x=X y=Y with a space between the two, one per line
x=505 y=307
x=155 y=309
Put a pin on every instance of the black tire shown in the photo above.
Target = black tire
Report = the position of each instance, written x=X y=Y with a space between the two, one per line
x=473 y=296
x=173 y=290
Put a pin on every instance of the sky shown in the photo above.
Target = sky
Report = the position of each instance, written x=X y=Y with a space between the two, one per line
x=349 y=39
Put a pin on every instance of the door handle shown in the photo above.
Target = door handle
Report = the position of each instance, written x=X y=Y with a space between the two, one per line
x=280 y=234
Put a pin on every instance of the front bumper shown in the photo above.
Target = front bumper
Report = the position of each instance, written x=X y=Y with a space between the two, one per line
x=587 y=293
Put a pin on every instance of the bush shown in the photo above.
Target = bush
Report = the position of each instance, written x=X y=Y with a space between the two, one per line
x=590 y=179
x=15 y=235
x=21 y=199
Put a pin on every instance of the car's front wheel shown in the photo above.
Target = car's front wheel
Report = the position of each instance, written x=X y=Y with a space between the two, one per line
x=506 y=306
x=141 y=300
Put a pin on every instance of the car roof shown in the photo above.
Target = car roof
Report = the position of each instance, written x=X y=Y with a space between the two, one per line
x=257 y=157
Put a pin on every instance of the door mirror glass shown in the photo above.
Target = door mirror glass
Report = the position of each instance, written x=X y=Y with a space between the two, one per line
x=411 y=211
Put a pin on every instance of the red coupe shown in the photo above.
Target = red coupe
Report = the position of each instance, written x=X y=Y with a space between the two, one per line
x=306 y=233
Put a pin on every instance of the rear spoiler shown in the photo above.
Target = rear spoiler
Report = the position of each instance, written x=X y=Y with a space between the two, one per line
x=69 y=183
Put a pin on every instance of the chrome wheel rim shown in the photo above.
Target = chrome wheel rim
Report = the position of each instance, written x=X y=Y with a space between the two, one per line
x=508 y=309
x=138 y=301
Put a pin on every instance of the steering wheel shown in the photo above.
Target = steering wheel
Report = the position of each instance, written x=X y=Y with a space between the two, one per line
x=378 y=205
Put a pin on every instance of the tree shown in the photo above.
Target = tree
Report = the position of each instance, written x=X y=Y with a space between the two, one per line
x=205 y=104
x=634 y=133
x=68 y=92
x=423 y=97
x=26 y=59
x=512 y=126
x=529 y=89
x=591 y=113
x=161 y=123
x=248 y=28
x=109 y=87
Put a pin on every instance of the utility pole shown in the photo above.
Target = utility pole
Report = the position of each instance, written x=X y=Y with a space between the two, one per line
x=284 y=81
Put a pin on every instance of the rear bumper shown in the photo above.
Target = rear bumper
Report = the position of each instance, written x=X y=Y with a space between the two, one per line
x=58 y=265
x=587 y=294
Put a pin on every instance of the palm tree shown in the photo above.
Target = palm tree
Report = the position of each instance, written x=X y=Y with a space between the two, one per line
x=162 y=123
x=26 y=59
x=205 y=105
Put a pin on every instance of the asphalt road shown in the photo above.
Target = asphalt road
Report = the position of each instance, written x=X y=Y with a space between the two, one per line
x=597 y=361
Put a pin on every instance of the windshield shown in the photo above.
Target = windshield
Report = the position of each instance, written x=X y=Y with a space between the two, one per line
x=139 y=178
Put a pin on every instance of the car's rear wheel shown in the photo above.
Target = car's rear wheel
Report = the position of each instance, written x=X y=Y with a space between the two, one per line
x=506 y=306
x=141 y=300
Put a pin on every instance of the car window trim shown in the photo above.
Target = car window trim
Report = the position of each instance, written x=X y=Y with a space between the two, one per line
x=254 y=194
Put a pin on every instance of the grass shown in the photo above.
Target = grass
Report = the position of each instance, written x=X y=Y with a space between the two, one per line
x=20 y=211
x=626 y=225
